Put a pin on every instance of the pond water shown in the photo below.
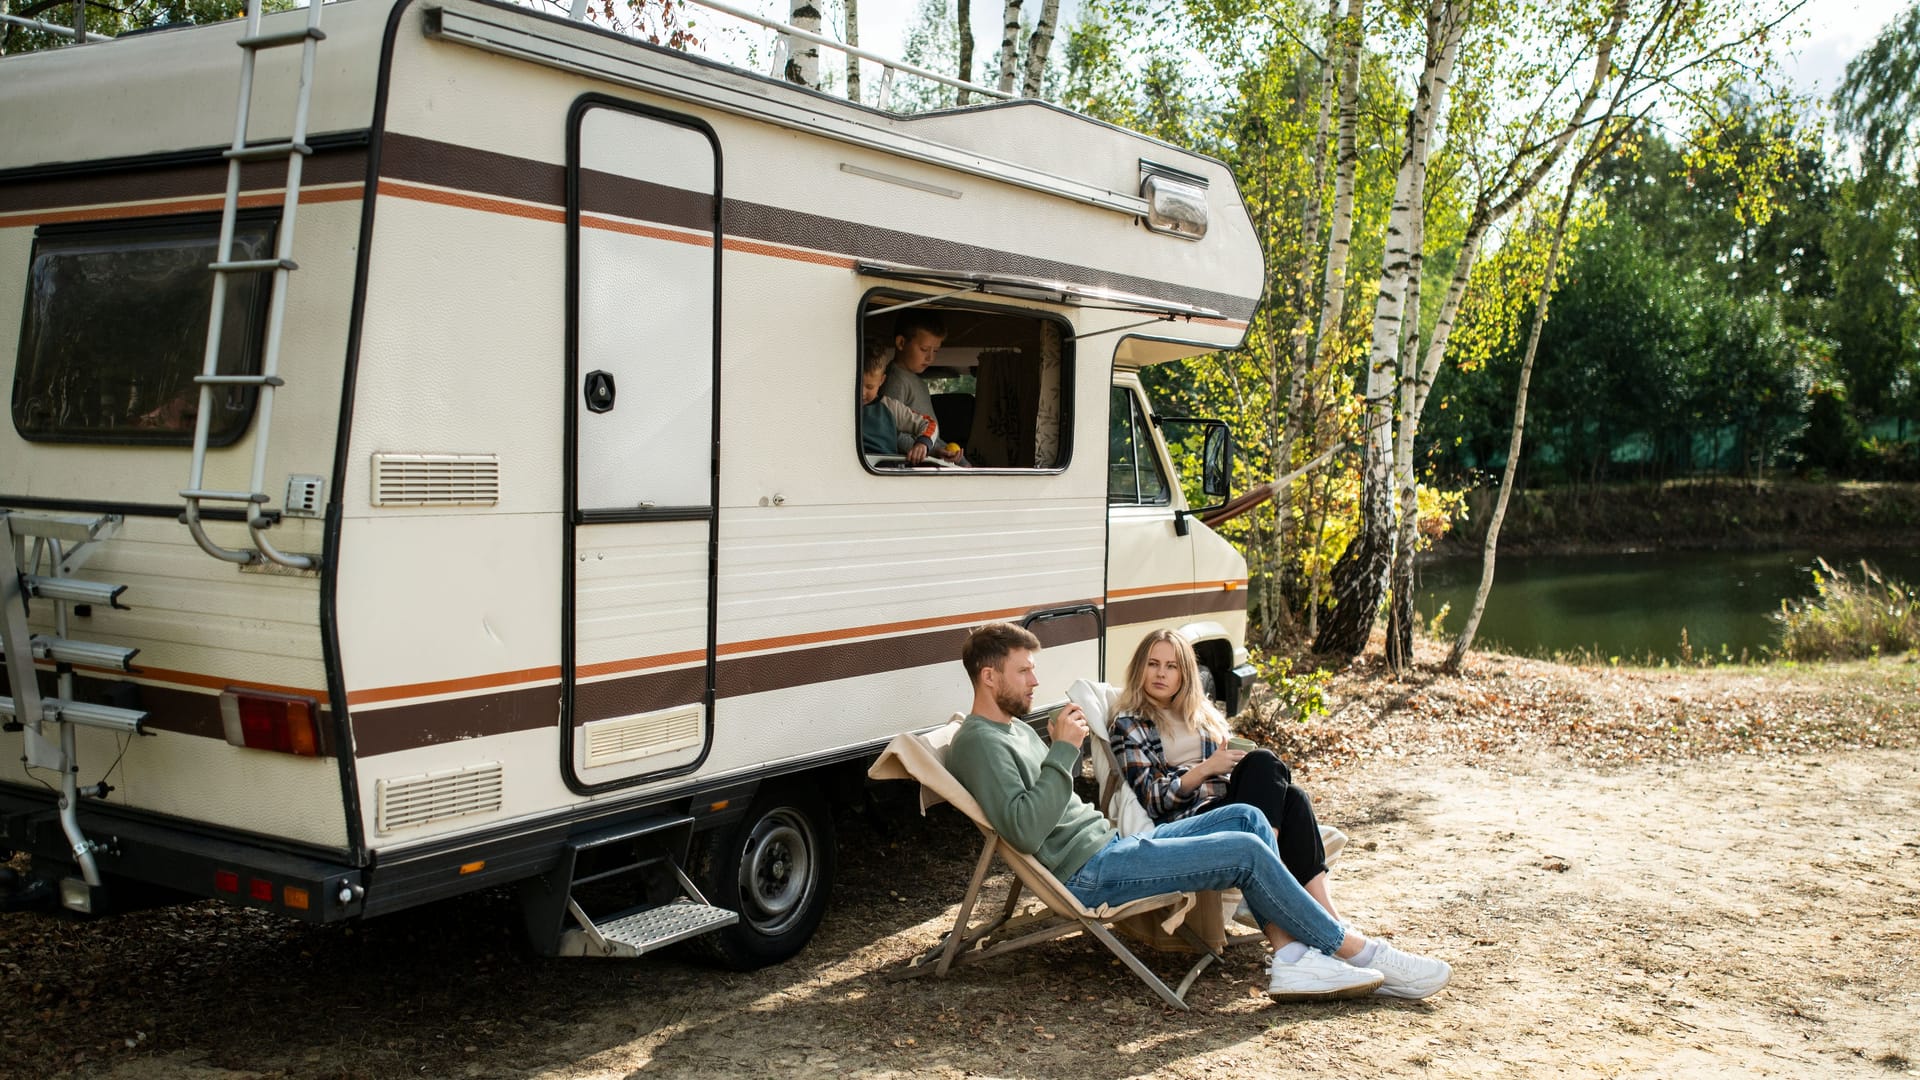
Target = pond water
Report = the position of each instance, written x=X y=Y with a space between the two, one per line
x=1636 y=605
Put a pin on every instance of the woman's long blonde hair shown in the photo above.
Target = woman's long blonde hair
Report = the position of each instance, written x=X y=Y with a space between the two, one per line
x=1188 y=704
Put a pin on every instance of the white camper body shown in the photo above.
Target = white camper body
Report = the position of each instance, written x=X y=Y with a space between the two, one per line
x=565 y=453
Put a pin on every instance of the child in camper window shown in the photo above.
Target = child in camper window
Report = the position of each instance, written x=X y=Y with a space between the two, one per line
x=887 y=426
x=916 y=341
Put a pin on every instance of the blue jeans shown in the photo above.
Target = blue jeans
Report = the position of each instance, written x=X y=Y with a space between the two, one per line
x=1228 y=848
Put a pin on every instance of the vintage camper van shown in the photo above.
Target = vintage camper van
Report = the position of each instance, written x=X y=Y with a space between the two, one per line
x=448 y=476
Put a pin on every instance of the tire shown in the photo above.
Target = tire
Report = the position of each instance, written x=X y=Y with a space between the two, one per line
x=775 y=867
x=1210 y=687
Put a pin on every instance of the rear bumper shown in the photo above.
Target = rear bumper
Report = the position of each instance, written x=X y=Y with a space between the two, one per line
x=196 y=861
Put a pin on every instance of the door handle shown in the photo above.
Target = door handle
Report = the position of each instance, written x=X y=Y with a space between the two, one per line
x=599 y=391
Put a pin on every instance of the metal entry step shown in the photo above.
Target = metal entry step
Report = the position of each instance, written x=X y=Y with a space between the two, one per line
x=642 y=930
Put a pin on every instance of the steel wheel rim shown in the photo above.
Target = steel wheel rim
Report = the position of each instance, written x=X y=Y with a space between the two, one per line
x=777 y=871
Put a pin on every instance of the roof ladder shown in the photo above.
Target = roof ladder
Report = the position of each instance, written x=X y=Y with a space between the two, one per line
x=295 y=150
x=63 y=541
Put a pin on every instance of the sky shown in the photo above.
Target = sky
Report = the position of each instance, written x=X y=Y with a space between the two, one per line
x=1827 y=33
x=1835 y=31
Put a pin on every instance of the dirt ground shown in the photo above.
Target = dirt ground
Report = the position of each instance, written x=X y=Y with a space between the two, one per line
x=1634 y=873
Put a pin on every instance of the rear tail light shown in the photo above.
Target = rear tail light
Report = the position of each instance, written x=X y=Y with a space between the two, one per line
x=262 y=720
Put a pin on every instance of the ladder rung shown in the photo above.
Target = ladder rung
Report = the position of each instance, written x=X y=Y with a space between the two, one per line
x=268 y=151
x=69 y=528
x=92 y=654
x=240 y=380
x=74 y=590
x=80 y=712
x=252 y=266
x=284 y=37
x=227 y=496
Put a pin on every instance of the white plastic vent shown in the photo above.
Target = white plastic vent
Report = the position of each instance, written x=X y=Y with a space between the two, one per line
x=629 y=737
x=408 y=801
x=436 y=479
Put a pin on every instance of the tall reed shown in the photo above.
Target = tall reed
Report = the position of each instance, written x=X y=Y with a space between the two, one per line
x=1850 y=618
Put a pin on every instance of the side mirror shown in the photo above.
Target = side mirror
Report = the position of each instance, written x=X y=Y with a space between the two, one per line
x=1215 y=451
x=1216 y=475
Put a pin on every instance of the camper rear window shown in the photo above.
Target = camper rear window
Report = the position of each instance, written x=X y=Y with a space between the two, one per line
x=991 y=389
x=115 y=329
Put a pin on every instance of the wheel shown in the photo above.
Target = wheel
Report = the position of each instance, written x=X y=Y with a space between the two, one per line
x=775 y=867
x=1210 y=687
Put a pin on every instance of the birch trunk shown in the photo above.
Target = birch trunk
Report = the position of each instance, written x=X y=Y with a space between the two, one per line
x=1009 y=46
x=1456 y=657
x=1038 y=46
x=965 y=20
x=1361 y=574
x=1400 y=591
x=853 y=62
x=1333 y=294
x=1416 y=379
x=803 y=57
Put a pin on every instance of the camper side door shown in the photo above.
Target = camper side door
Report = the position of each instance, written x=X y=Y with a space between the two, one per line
x=637 y=657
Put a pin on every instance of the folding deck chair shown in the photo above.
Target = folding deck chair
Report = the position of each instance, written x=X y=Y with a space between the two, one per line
x=923 y=758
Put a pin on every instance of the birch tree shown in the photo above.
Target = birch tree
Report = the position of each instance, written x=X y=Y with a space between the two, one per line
x=1361 y=574
x=803 y=57
x=1456 y=656
x=853 y=62
x=1009 y=46
x=964 y=25
x=1510 y=174
x=1039 y=43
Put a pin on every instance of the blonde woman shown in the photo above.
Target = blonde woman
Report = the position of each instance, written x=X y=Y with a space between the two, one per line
x=1172 y=747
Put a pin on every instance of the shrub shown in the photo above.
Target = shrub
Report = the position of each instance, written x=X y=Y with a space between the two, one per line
x=1849 y=618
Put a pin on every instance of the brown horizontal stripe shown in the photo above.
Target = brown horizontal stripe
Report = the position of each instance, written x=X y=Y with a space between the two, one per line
x=176 y=182
x=426 y=723
x=184 y=712
x=1160 y=609
x=646 y=693
x=623 y=196
x=406 y=727
x=429 y=161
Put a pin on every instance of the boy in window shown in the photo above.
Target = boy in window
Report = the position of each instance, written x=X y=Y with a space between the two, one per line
x=916 y=341
x=887 y=426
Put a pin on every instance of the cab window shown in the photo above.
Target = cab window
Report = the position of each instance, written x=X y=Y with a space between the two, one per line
x=1134 y=477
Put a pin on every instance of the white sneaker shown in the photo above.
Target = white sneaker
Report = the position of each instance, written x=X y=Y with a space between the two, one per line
x=1408 y=975
x=1319 y=977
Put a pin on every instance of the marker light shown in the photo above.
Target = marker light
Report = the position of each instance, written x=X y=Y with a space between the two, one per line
x=260 y=889
x=261 y=720
x=226 y=881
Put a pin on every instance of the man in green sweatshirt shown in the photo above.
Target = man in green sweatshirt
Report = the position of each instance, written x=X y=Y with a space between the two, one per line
x=1025 y=787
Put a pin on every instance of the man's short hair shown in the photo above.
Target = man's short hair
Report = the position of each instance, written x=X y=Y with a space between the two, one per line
x=988 y=645
x=917 y=319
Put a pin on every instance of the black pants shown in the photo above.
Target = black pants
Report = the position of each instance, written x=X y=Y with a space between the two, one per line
x=1264 y=782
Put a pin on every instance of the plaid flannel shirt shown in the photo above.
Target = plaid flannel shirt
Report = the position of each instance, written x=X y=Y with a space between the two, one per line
x=1143 y=760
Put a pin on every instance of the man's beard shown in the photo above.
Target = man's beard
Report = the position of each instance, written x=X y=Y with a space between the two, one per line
x=1012 y=702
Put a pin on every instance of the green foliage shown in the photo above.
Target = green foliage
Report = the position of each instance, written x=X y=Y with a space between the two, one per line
x=1879 y=101
x=1299 y=695
x=118 y=19
x=1687 y=337
x=1850 y=618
